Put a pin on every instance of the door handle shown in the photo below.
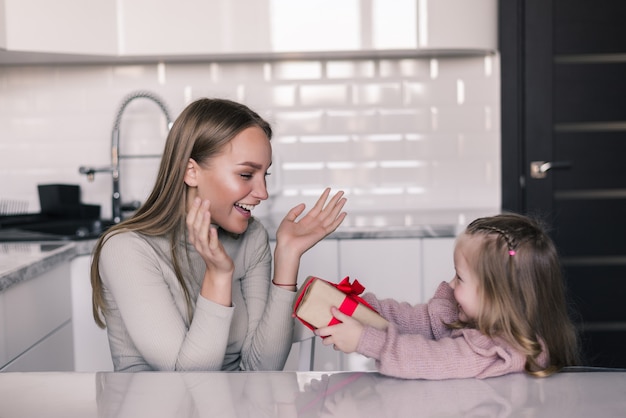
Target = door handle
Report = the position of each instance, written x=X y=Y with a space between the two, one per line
x=539 y=169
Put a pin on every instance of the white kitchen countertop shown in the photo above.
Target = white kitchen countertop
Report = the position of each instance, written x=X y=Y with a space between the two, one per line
x=23 y=260
x=395 y=223
x=307 y=394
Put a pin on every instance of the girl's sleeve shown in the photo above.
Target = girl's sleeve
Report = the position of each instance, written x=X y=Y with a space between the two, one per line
x=414 y=353
x=424 y=319
x=411 y=356
x=270 y=324
x=132 y=273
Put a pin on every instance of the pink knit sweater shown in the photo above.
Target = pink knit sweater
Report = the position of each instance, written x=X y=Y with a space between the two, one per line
x=417 y=345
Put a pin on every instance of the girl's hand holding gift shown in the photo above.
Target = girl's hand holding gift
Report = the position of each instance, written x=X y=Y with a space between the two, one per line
x=344 y=336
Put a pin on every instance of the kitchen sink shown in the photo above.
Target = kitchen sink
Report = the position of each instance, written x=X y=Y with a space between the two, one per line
x=56 y=230
x=71 y=228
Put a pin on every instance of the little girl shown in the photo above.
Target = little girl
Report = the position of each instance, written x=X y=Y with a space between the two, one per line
x=503 y=312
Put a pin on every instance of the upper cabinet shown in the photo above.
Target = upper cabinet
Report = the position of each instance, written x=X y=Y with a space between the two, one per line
x=193 y=27
x=171 y=29
x=197 y=27
x=457 y=25
x=63 y=26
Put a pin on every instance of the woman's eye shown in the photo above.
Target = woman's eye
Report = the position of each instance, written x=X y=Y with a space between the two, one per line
x=249 y=176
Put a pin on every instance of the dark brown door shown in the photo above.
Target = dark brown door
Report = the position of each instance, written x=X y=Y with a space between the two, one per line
x=564 y=149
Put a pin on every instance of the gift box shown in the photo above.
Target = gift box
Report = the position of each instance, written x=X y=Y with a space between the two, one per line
x=317 y=296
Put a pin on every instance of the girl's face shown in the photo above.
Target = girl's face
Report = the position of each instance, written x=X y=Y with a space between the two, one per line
x=234 y=180
x=465 y=282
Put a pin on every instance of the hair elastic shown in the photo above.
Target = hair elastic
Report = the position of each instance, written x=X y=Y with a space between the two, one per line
x=511 y=252
x=284 y=284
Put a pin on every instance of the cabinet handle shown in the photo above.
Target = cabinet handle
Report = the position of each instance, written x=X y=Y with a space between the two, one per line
x=539 y=169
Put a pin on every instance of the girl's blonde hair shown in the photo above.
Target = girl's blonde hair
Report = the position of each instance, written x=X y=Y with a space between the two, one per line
x=523 y=292
x=200 y=132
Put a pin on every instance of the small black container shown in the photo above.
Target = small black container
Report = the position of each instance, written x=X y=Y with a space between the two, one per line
x=62 y=201
x=59 y=200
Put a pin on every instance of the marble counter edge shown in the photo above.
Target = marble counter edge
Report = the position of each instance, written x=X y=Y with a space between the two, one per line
x=374 y=232
x=74 y=249
x=38 y=266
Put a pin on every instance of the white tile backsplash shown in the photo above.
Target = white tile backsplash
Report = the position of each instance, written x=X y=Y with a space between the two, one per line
x=413 y=133
x=405 y=68
x=297 y=70
x=350 y=70
x=381 y=94
x=325 y=95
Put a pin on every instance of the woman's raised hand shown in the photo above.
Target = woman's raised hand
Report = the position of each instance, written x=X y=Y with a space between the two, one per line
x=219 y=265
x=319 y=222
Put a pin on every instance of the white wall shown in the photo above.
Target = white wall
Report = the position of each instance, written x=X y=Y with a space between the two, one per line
x=414 y=133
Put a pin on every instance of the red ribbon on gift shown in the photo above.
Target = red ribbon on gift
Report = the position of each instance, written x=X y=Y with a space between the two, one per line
x=349 y=304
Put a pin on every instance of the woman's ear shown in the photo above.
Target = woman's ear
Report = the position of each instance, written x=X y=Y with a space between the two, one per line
x=191 y=173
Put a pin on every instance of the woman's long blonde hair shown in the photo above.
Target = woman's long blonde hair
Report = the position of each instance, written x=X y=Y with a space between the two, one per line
x=200 y=132
x=523 y=291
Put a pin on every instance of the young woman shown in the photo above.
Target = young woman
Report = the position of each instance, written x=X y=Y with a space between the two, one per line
x=505 y=311
x=185 y=283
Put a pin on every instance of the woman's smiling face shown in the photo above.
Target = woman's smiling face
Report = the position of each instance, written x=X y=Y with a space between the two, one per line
x=234 y=180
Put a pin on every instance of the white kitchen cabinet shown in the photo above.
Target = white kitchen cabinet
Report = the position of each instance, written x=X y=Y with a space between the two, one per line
x=53 y=353
x=406 y=269
x=60 y=27
x=77 y=31
x=438 y=264
x=4 y=357
x=460 y=25
x=193 y=27
x=261 y=27
x=389 y=268
x=36 y=317
x=91 y=344
x=197 y=27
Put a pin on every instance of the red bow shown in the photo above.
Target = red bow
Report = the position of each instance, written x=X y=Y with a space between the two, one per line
x=352 y=300
x=355 y=288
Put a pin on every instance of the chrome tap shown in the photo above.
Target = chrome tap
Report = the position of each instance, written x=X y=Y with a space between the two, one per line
x=114 y=168
x=90 y=172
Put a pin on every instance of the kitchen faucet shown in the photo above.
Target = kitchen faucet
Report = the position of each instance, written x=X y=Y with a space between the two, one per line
x=114 y=168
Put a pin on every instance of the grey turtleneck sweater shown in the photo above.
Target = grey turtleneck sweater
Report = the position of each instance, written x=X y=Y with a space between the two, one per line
x=147 y=319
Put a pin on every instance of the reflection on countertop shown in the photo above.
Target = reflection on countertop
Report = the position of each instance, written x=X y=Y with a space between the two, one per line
x=308 y=394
